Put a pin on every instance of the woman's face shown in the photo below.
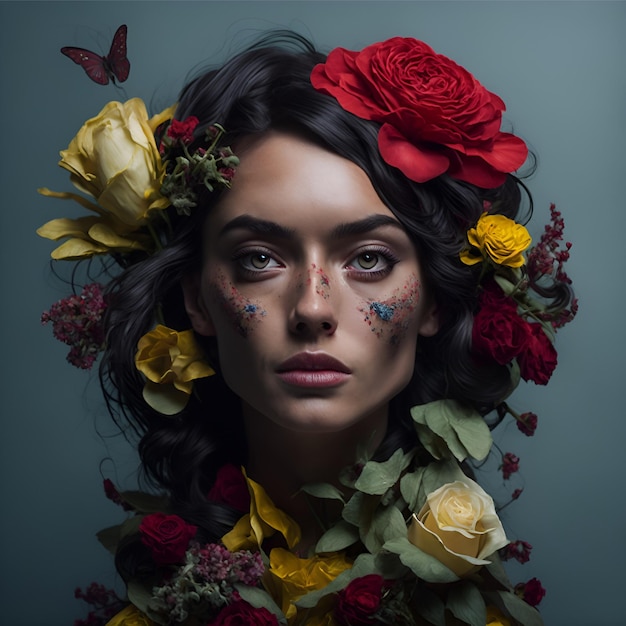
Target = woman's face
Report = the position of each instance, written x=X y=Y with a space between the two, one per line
x=312 y=288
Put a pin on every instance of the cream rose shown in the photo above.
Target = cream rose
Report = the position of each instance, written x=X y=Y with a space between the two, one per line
x=115 y=159
x=458 y=525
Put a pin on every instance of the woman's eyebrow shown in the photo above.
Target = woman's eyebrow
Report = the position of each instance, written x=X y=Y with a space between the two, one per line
x=348 y=229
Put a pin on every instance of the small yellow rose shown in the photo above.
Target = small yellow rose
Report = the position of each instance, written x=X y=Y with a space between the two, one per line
x=496 y=618
x=130 y=616
x=293 y=577
x=459 y=526
x=263 y=521
x=499 y=239
x=170 y=360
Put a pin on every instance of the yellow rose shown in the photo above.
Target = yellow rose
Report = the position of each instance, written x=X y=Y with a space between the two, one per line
x=294 y=577
x=115 y=159
x=458 y=525
x=498 y=238
x=130 y=616
x=170 y=360
x=496 y=618
x=263 y=521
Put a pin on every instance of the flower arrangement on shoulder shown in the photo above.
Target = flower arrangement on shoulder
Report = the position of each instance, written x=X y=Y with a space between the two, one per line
x=414 y=539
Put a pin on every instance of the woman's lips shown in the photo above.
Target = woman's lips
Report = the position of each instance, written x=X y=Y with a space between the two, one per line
x=313 y=369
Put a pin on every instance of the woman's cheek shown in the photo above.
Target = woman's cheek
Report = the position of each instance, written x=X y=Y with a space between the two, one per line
x=242 y=313
x=390 y=319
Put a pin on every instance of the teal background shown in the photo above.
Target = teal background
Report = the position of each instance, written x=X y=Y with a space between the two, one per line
x=559 y=66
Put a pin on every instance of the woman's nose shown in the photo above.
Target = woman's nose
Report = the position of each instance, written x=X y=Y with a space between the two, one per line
x=313 y=311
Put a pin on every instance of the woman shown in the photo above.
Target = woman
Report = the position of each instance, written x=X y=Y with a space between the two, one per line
x=334 y=273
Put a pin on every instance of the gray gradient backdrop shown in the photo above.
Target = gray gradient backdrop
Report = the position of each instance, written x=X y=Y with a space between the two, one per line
x=559 y=66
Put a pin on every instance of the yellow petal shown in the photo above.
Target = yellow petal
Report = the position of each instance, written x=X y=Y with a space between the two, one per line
x=156 y=120
x=75 y=249
x=66 y=227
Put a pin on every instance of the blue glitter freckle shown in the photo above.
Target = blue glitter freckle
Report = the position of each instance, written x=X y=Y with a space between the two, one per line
x=384 y=311
x=250 y=308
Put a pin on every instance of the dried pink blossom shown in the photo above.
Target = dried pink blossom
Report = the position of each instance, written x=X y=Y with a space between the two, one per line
x=510 y=465
x=527 y=423
x=531 y=591
x=518 y=550
x=77 y=322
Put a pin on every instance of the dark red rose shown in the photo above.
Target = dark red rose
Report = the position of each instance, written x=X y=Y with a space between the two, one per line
x=182 y=129
x=436 y=117
x=538 y=360
x=499 y=333
x=527 y=423
x=241 y=613
x=230 y=488
x=360 y=600
x=167 y=536
x=531 y=592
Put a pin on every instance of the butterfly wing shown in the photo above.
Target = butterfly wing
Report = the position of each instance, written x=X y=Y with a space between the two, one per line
x=116 y=60
x=93 y=64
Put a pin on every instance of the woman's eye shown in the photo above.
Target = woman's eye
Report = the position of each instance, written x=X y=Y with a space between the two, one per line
x=260 y=261
x=367 y=260
x=256 y=261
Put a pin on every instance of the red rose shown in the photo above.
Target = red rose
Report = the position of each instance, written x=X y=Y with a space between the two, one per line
x=360 y=600
x=538 y=360
x=241 y=613
x=498 y=332
x=183 y=129
x=436 y=117
x=167 y=536
x=230 y=488
x=531 y=592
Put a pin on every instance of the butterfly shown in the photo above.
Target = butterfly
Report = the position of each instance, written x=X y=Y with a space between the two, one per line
x=101 y=69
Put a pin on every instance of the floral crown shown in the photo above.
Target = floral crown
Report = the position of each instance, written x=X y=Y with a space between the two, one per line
x=414 y=541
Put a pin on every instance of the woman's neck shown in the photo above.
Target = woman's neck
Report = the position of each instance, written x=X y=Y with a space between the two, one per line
x=284 y=460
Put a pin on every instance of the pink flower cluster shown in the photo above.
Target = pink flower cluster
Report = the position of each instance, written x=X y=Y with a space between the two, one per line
x=527 y=423
x=105 y=601
x=547 y=258
x=77 y=322
x=214 y=563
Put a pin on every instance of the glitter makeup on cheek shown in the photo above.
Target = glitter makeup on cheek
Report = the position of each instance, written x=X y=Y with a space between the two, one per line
x=243 y=313
x=390 y=319
x=323 y=288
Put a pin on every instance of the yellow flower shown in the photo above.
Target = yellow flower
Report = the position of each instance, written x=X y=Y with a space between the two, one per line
x=115 y=159
x=459 y=526
x=130 y=616
x=498 y=238
x=263 y=521
x=294 y=577
x=496 y=618
x=170 y=360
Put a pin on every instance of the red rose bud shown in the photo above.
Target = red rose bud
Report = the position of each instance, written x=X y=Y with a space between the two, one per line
x=167 y=536
x=527 y=423
x=510 y=465
x=531 y=592
x=240 y=613
x=359 y=601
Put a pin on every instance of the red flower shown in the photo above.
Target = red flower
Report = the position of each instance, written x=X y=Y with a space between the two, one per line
x=527 y=423
x=167 y=536
x=531 y=592
x=498 y=332
x=359 y=601
x=240 y=613
x=538 y=360
x=436 y=117
x=111 y=492
x=182 y=130
x=510 y=465
x=518 y=550
x=230 y=488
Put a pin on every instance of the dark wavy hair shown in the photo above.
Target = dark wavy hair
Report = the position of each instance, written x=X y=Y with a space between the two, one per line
x=267 y=87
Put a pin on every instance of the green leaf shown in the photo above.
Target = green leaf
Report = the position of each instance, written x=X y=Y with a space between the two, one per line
x=496 y=569
x=323 y=490
x=141 y=596
x=462 y=429
x=165 y=399
x=110 y=537
x=423 y=565
x=259 y=598
x=387 y=523
x=410 y=487
x=377 y=477
x=520 y=610
x=440 y=473
x=338 y=537
x=465 y=603
x=430 y=606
